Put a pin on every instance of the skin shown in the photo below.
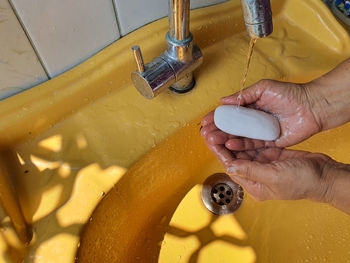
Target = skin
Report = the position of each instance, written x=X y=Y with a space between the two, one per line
x=266 y=169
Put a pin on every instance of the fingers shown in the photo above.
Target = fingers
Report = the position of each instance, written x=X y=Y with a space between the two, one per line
x=239 y=144
x=257 y=190
x=208 y=129
x=225 y=156
x=233 y=100
x=249 y=95
x=293 y=154
x=208 y=119
x=245 y=144
x=252 y=170
x=252 y=94
x=217 y=137
x=244 y=156
x=267 y=155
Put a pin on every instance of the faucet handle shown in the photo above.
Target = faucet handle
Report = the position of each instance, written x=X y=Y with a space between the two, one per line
x=138 y=59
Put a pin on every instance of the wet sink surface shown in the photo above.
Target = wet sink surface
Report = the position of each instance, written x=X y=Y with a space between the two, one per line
x=159 y=196
x=81 y=133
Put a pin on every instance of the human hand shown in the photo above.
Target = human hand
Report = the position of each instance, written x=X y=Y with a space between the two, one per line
x=279 y=174
x=289 y=102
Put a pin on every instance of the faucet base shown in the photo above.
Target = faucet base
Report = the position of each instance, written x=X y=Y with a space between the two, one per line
x=184 y=85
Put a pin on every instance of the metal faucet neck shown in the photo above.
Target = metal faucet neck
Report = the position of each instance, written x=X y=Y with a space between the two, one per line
x=179 y=19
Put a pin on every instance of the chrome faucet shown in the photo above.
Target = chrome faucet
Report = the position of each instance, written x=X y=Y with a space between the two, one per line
x=257 y=17
x=174 y=68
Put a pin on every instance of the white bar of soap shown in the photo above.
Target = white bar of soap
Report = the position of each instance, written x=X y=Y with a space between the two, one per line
x=246 y=122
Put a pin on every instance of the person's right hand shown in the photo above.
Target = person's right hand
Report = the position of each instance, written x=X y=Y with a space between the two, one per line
x=290 y=103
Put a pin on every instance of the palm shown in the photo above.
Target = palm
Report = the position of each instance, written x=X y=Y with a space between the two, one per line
x=276 y=170
x=291 y=106
x=287 y=101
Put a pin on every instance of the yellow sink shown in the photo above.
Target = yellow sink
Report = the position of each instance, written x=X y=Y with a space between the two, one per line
x=87 y=130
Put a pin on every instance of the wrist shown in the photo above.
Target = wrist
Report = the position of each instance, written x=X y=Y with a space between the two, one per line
x=329 y=98
x=328 y=178
x=318 y=105
x=335 y=176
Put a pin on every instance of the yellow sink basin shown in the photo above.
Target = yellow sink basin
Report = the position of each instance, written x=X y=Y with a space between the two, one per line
x=87 y=130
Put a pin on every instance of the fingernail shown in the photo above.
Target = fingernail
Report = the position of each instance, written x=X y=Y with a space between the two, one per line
x=231 y=171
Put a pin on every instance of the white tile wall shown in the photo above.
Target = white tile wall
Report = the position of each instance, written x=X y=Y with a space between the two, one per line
x=19 y=65
x=66 y=32
x=133 y=14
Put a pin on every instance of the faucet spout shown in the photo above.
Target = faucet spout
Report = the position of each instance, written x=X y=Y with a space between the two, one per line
x=179 y=19
x=257 y=17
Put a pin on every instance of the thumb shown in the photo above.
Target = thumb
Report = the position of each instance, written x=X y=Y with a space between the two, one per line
x=250 y=94
x=251 y=170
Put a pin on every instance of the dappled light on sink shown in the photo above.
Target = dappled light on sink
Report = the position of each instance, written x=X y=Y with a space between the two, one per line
x=224 y=252
x=77 y=206
x=42 y=164
x=81 y=142
x=58 y=192
x=195 y=235
x=53 y=143
x=106 y=176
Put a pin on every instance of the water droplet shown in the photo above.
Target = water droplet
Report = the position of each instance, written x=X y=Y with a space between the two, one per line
x=163 y=220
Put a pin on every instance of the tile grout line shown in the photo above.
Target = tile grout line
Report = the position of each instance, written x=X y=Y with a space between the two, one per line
x=117 y=18
x=29 y=38
x=153 y=20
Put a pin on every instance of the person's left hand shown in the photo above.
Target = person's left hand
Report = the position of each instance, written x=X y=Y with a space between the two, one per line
x=276 y=173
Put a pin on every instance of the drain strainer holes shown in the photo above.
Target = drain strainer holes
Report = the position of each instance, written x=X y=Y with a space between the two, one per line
x=221 y=195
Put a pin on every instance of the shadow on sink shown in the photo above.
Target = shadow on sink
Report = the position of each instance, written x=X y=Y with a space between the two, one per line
x=78 y=134
x=154 y=199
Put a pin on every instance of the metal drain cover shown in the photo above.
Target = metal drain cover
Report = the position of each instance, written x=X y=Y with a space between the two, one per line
x=221 y=195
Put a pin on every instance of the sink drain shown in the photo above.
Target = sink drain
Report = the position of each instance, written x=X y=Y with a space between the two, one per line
x=221 y=195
